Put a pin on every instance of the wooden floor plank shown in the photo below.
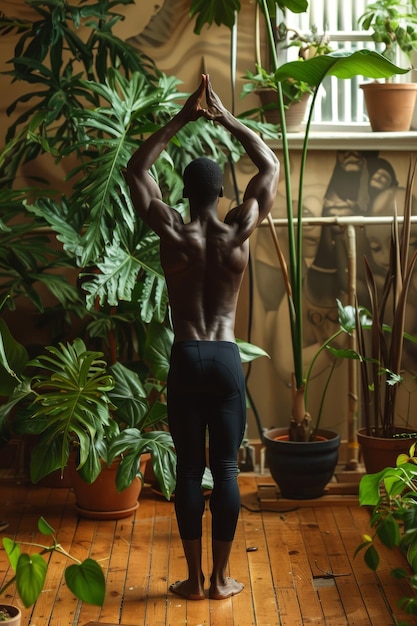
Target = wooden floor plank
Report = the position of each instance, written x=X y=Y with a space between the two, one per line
x=302 y=572
x=139 y=567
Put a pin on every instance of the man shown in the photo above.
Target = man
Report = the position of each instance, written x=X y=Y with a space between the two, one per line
x=204 y=261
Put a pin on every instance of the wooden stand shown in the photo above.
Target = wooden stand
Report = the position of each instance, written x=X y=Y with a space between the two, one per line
x=343 y=490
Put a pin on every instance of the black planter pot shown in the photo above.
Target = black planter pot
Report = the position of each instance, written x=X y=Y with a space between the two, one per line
x=301 y=469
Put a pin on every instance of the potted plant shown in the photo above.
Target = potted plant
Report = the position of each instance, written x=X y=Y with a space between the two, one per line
x=296 y=93
x=381 y=354
x=78 y=407
x=390 y=105
x=302 y=432
x=10 y=614
x=392 y=496
x=85 y=579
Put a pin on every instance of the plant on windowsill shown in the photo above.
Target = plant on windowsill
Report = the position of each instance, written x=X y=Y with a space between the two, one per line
x=85 y=579
x=296 y=93
x=392 y=496
x=390 y=105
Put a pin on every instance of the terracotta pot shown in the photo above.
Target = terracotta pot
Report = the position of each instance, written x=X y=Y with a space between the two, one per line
x=294 y=115
x=301 y=470
x=380 y=452
x=100 y=499
x=390 y=106
x=15 y=614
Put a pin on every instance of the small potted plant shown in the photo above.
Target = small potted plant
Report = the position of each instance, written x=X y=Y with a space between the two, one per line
x=296 y=93
x=10 y=615
x=85 y=579
x=390 y=105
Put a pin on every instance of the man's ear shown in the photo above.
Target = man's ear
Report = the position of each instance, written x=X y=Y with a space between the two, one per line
x=221 y=193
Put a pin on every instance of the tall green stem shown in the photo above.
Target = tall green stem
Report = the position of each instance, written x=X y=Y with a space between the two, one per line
x=295 y=299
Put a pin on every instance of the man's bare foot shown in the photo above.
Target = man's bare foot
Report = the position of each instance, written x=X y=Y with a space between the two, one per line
x=229 y=588
x=188 y=590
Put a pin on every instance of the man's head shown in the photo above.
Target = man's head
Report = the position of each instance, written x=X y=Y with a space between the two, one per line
x=203 y=179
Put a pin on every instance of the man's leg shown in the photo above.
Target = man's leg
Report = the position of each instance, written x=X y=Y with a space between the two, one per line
x=188 y=430
x=226 y=429
x=193 y=587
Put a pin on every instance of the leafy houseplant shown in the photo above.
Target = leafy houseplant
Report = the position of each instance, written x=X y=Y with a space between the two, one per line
x=264 y=84
x=294 y=92
x=392 y=495
x=85 y=579
x=74 y=403
x=394 y=26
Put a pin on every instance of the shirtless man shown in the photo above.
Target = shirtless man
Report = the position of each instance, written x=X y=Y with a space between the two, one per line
x=204 y=261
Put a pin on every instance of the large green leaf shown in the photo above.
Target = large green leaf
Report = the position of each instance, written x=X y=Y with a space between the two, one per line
x=158 y=345
x=13 y=360
x=224 y=13
x=86 y=580
x=132 y=443
x=30 y=577
x=128 y=395
x=342 y=64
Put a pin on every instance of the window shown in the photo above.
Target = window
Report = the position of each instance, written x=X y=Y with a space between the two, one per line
x=340 y=101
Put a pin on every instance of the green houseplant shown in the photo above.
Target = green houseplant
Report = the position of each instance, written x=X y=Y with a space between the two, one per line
x=296 y=93
x=394 y=26
x=85 y=579
x=392 y=496
x=76 y=404
x=381 y=350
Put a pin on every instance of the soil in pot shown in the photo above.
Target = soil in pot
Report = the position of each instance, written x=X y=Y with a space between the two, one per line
x=380 y=452
x=13 y=612
x=301 y=470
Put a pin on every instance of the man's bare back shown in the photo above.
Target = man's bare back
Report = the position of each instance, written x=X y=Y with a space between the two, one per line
x=203 y=278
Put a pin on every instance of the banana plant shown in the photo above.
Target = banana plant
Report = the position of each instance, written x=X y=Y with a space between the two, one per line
x=343 y=65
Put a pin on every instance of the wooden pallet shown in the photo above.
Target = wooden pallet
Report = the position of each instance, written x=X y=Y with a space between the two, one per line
x=341 y=491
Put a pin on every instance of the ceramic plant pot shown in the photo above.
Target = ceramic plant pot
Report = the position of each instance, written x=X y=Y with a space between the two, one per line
x=301 y=469
x=14 y=612
x=100 y=499
x=390 y=106
x=380 y=452
x=294 y=115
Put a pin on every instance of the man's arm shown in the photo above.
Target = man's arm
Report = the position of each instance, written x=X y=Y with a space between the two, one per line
x=263 y=186
x=143 y=188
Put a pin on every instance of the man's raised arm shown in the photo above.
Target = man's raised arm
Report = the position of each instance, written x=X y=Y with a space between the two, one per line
x=263 y=186
x=143 y=187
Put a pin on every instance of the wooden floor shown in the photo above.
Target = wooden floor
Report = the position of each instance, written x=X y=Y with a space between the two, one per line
x=302 y=571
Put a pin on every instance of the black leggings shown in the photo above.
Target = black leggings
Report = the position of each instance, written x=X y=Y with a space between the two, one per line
x=206 y=388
